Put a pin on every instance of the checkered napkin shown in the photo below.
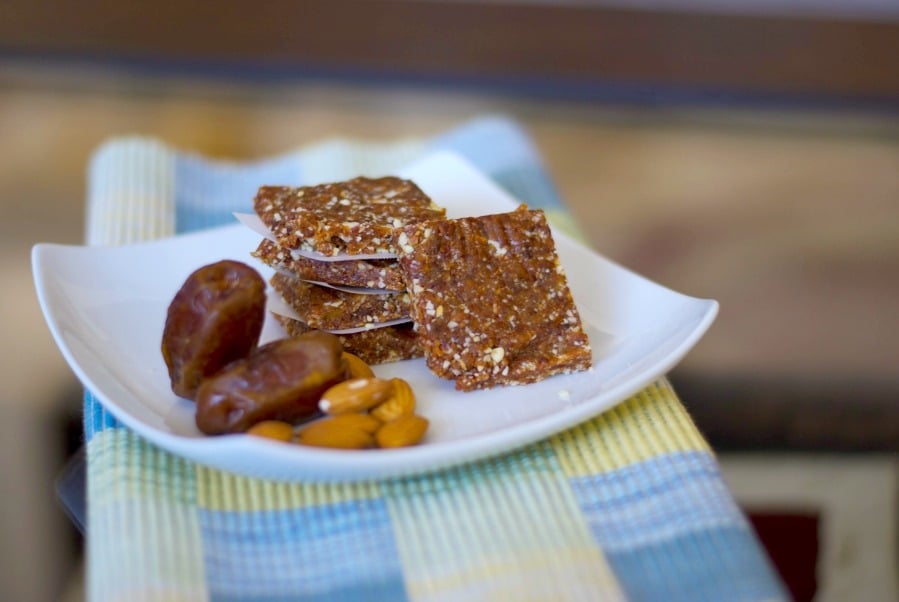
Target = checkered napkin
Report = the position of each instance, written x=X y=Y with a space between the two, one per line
x=629 y=505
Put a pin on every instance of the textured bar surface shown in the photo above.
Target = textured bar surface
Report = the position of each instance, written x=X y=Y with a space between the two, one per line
x=356 y=216
x=491 y=301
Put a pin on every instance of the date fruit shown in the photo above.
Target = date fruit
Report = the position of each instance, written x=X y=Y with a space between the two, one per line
x=215 y=318
x=282 y=380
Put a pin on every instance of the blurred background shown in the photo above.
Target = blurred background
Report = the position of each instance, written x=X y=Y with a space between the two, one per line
x=742 y=150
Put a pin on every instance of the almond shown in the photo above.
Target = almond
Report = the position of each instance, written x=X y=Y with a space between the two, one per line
x=272 y=429
x=400 y=403
x=356 y=367
x=355 y=395
x=336 y=433
x=404 y=431
x=365 y=422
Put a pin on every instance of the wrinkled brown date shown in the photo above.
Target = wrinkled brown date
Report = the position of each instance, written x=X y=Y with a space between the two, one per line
x=215 y=318
x=282 y=380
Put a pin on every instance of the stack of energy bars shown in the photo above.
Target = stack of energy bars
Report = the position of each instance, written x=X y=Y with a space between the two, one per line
x=376 y=262
x=334 y=253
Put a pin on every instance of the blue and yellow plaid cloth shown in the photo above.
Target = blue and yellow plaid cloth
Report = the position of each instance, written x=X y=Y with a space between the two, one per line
x=630 y=505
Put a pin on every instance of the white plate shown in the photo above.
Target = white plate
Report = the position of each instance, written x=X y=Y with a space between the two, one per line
x=106 y=306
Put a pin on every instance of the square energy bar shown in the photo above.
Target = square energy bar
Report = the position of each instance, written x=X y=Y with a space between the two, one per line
x=355 y=217
x=490 y=300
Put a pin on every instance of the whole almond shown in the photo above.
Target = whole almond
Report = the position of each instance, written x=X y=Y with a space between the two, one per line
x=355 y=395
x=362 y=421
x=404 y=431
x=400 y=403
x=356 y=367
x=335 y=433
x=272 y=429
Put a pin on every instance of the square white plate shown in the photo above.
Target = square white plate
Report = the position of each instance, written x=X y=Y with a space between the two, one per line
x=106 y=307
